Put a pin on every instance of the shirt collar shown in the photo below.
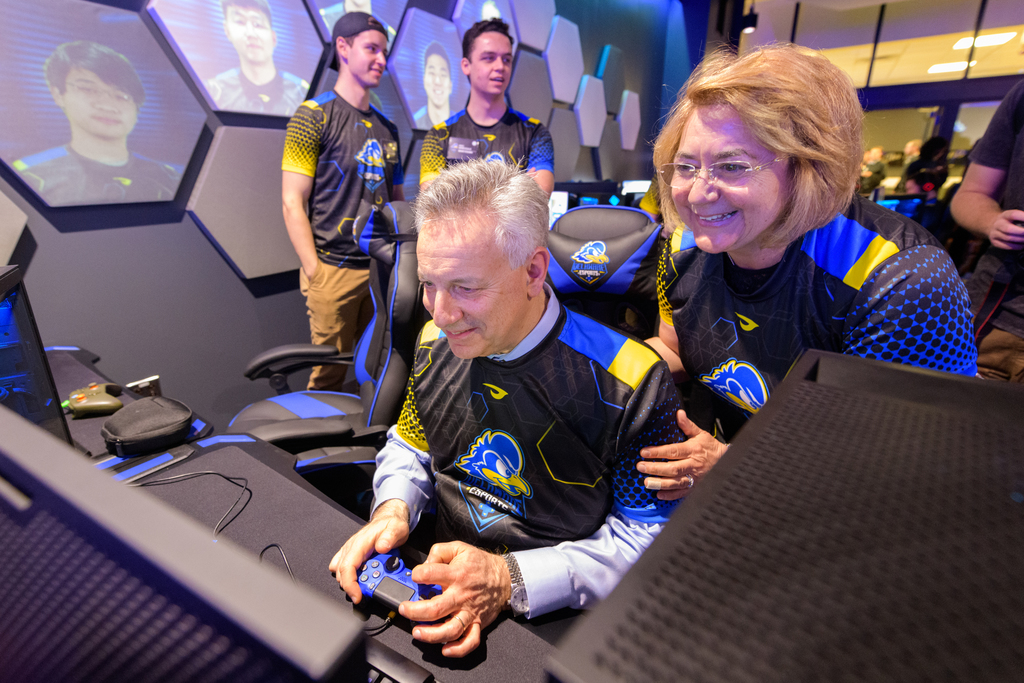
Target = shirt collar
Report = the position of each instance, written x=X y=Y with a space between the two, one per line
x=539 y=332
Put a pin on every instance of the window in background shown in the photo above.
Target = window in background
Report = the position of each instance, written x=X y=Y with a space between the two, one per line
x=916 y=43
x=999 y=48
x=844 y=36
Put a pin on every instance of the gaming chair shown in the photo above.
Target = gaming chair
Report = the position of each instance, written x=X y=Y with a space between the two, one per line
x=324 y=428
x=604 y=262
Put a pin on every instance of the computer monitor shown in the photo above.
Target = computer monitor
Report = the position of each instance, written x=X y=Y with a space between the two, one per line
x=865 y=525
x=906 y=204
x=26 y=384
x=100 y=582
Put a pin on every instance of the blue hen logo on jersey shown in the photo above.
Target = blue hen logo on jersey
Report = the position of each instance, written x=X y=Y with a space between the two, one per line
x=496 y=461
x=371 y=164
x=590 y=263
x=738 y=382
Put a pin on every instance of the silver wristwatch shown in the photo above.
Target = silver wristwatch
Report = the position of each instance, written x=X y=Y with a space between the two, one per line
x=518 y=602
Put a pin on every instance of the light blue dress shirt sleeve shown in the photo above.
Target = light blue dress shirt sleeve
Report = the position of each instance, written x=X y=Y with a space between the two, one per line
x=403 y=472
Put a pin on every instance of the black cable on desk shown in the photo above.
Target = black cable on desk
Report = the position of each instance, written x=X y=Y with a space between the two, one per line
x=283 y=557
x=193 y=475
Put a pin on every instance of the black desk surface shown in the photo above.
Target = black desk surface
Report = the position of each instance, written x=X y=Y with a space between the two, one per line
x=309 y=527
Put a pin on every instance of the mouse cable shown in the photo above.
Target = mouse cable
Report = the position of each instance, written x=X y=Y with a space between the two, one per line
x=193 y=475
x=283 y=557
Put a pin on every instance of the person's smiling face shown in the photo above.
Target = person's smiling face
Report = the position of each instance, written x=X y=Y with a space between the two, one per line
x=730 y=218
x=95 y=107
x=489 y=66
x=250 y=32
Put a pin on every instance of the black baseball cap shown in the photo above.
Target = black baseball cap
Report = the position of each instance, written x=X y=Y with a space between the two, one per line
x=352 y=24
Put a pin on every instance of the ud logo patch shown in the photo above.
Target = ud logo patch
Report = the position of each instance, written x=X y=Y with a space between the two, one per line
x=371 y=164
x=739 y=383
x=590 y=263
x=496 y=487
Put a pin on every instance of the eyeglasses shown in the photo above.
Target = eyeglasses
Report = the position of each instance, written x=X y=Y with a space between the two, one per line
x=724 y=173
x=95 y=94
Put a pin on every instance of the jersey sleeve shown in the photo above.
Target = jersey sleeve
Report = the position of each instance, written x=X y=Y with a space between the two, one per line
x=409 y=426
x=996 y=147
x=914 y=309
x=668 y=273
x=433 y=158
x=542 y=150
x=302 y=140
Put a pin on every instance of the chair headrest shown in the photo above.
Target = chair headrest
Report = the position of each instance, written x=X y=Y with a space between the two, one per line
x=609 y=266
x=600 y=222
x=378 y=229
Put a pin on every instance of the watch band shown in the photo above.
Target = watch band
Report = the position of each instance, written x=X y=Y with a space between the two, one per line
x=517 y=602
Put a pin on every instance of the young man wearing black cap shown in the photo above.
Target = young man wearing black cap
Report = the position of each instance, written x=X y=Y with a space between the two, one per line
x=340 y=154
x=488 y=128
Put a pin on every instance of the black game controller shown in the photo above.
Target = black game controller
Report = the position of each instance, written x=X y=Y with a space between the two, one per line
x=385 y=578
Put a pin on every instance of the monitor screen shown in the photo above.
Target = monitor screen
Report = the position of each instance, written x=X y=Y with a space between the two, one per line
x=251 y=56
x=906 y=205
x=26 y=385
x=388 y=12
x=93 y=110
x=558 y=203
x=635 y=186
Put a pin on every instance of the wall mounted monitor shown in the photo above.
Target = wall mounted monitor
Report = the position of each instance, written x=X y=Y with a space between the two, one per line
x=468 y=12
x=425 y=65
x=389 y=12
x=250 y=56
x=93 y=111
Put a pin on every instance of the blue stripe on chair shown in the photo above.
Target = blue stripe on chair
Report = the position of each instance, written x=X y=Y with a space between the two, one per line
x=225 y=438
x=393 y=281
x=560 y=279
x=144 y=467
x=367 y=234
x=595 y=341
x=623 y=276
x=305 y=406
x=362 y=347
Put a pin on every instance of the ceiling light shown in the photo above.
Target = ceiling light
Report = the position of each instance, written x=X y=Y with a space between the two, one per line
x=963 y=43
x=984 y=41
x=947 y=68
x=748 y=24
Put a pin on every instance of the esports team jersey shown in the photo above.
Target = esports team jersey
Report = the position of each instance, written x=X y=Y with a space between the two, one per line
x=514 y=139
x=62 y=176
x=537 y=450
x=353 y=157
x=870 y=283
x=282 y=95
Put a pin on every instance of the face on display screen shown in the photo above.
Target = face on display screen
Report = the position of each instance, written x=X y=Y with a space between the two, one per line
x=93 y=111
x=252 y=56
x=388 y=12
x=426 y=66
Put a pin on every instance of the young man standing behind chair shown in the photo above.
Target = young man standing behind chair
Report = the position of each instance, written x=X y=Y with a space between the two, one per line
x=340 y=154
x=488 y=129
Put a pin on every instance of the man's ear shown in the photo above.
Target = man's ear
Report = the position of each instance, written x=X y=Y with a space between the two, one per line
x=58 y=97
x=537 y=271
x=465 y=66
x=341 y=47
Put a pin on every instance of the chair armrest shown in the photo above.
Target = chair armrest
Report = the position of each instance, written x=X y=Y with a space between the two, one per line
x=298 y=429
x=290 y=358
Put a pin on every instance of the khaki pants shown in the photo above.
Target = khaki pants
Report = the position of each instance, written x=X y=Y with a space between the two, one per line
x=339 y=307
x=1001 y=356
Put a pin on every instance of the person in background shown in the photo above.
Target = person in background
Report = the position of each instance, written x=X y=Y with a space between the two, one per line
x=872 y=171
x=341 y=156
x=437 y=84
x=774 y=253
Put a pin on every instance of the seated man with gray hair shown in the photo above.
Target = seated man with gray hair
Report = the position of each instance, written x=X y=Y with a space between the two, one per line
x=522 y=424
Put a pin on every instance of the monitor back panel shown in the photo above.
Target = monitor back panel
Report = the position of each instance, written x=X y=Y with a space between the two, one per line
x=866 y=525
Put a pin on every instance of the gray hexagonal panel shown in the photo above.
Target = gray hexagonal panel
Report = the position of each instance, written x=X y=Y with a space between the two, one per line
x=629 y=118
x=612 y=71
x=566 y=138
x=91 y=140
x=564 y=56
x=237 y=201
x=425 y=66
x=468 y=12
x=610 y=152
x=530 y=89
x=388 y=11
x=12 y=224
x=590 y=111
x=245 y=60
x=533 y=21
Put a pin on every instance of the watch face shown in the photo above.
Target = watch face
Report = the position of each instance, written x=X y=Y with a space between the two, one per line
x=520 y=604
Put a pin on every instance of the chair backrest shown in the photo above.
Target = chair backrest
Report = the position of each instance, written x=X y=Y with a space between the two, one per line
x=604 y=263
x=384 y=353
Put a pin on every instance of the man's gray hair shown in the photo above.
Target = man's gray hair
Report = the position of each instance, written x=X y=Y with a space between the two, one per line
x=512 y=200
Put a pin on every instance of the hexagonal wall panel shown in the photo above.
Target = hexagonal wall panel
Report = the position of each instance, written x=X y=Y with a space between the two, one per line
x=564 y=56
x=612 y=71
x=566 y=139
x=149 y=118
x=629 y=118
x=610 y=152
x=590 y=111
x=530 y=89
x=468 y=12
x=533 y=21
x=427 y=38
x=329 y=11
x=12 y=224
x=241 y=212
x=216 y=52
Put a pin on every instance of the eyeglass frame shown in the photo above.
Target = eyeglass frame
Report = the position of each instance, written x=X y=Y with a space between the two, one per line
x=95 y=94
x=711 y=178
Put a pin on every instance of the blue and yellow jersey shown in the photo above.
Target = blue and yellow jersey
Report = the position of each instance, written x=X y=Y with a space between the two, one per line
x=352 y=157
x=539 y=450
x=515 y=139
x=870 y=283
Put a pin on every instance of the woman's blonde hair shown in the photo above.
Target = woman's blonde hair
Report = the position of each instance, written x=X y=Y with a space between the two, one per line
x=799 y=106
